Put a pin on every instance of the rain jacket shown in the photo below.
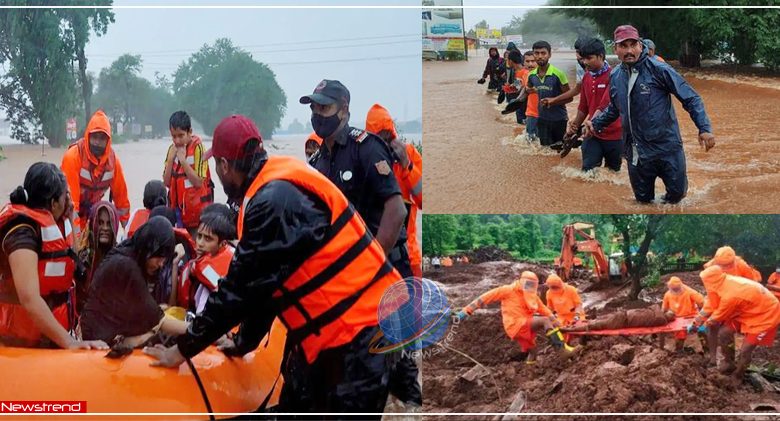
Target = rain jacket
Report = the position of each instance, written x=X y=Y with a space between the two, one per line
x=564 y=302
x=650 y=127
x=740 y=268
x=685 y=304
x=409 y=181
x=517 y=305
x=740 y=300
x=774 y=279
x=74 y=166
x=495 y=67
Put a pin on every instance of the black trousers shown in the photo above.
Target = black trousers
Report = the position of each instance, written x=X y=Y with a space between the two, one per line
x=345 y=379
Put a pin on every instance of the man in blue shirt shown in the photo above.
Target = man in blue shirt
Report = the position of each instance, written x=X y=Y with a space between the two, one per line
x=640 y=93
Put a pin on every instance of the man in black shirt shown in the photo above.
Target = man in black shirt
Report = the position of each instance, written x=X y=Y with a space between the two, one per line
x=360 y=165
x=286 y=225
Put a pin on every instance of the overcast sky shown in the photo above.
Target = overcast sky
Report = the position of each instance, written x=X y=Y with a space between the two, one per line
x=496 y=18
x=374 y=52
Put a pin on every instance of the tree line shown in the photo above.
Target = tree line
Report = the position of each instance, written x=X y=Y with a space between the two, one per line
x=46 y=81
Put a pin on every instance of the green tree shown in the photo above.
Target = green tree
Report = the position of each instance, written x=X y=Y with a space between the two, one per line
x=82 y=22
x=466 y=236
x=221 y=79
x=127 y=97
x=39 y=46
x=742 y=35
x=632 y=228
x=439 y=232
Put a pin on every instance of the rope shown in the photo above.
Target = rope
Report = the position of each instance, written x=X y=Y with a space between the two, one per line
x=202 y=390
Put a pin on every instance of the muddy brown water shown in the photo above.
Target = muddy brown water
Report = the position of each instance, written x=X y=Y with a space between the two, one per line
x=476 y=164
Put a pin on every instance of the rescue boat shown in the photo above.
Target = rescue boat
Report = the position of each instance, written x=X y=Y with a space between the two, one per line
x=131 y=385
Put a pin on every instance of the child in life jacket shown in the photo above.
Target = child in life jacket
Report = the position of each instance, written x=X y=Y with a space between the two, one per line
x=213 y=255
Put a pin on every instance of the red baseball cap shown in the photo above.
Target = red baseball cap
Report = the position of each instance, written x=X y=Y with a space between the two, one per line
x=231 y=135
x=624 y=32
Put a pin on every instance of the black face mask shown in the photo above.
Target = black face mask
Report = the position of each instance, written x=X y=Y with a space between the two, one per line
x=98 y=151
x=325 y=126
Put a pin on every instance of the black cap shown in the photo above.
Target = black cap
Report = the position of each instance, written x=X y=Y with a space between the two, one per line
x=326 y=93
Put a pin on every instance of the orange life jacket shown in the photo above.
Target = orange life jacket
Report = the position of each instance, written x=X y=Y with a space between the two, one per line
x=183 y=195
x=184 y=295
x=209 y=269
x=94 y=179
x=138 y=218
x=56 y=265
x=335 y=293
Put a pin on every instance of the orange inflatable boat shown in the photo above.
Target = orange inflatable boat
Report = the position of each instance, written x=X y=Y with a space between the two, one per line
x=131 y=385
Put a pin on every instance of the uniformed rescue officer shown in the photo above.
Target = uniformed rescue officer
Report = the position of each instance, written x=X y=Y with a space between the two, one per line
x=360 y=164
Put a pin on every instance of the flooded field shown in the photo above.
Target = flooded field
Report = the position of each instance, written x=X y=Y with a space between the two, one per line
x=477 y=163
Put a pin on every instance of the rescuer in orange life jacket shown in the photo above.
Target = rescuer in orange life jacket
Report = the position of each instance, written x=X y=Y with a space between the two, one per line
x=91 y=167
x=305 y=256
x=37 y=305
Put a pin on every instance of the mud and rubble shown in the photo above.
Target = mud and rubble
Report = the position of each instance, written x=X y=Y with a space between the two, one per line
x=609 y=374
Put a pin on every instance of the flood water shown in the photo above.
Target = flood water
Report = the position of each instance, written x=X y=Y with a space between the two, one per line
x=476 y=163
x=141 y=161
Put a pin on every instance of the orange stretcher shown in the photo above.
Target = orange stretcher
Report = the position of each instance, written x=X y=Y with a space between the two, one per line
x=678 y=324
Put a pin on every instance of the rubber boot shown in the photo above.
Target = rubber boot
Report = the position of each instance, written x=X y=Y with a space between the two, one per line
x=556 y=338
x=728 y=359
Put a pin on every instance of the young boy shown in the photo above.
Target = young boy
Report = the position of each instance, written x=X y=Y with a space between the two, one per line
x=213 y=256
x=187 y=173
x=606 y=146
x=514 y=91
x=532 y=109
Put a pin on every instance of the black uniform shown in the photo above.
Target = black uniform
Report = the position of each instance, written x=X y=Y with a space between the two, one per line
x=361 y=166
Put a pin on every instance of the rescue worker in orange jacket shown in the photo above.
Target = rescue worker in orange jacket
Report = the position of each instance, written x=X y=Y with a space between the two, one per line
x=91 y=168
x=313 y=143
x=773 y=282
x=563 y=300
x=187 y=174
x=37 y=264
x=739 y=305
x=729 y=262
x=407 y=169
x=683 y=301
x=155 y=194
x=305 y=256
x=524 y=314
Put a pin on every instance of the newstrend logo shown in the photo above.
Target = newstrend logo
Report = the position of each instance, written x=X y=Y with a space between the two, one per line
x=413 y=314
x=42 y=407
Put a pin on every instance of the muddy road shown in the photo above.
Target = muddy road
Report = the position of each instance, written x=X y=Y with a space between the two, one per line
x=478 y=164
x=610 y=374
